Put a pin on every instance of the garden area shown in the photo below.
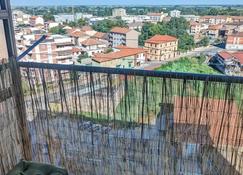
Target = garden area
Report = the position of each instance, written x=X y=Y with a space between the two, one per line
x=190 y=65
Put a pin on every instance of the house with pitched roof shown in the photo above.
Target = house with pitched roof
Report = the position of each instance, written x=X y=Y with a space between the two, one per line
x=93 y=46
x=161 y=47
x=122 y=57
x=123 y=36
x=228 y=62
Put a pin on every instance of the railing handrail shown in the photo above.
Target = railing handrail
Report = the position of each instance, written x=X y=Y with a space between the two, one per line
x=135 y=72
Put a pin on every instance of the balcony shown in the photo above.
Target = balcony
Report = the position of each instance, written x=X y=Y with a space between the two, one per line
x=94 y=120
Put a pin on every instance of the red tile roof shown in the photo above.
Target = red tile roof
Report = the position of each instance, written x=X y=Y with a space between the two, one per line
x=238 y=55
x=215 y=27
x=116 y=55
x=86 y=28
x=225 y=55
x=76 y=33
x=161 y=39
x=221 y=120
x=91 y=41
x=75 y=50
x=121 y=30
x=99 y=35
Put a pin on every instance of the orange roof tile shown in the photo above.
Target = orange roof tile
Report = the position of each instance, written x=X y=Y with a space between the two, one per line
x=86 y=28
x=75 y=49
x=116 y=55
x=161 y=39
x=99 y=35
x=91 y=41
x=121 y=30
x=238 y=55
x=215 y=27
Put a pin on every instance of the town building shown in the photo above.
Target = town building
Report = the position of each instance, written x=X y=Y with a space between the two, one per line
x=213 y=31
x=88 y=30
x=228 y=62
x=100 y=36
x=234 y=42
x=237 y=19
x=56 y=49
x=195 y=28
x=161 y=47
x=175 y=13
x=36 y=20
x=123 y=36
x=77 y=36
x=60 y=18
x=93 y=46
x=122 y=57
x=214 y=20
x=20 y=18
x=136 y=26
x=51 y=24
x=118 y=12
x=156 y=17
x=191 y=17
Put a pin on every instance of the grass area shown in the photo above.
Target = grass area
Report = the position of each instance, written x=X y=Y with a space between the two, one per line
x=192 y=65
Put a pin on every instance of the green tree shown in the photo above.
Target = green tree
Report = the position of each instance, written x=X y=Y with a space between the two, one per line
x=81 y=22
x=106 y=25
x=175 y=27
x=48 y=17
x=204 y=42
x=57 y=30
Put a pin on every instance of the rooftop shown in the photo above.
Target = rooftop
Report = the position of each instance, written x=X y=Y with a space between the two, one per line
x=161 y=39
x=91 y=41
x=124 y=52
x=121 y=30
x=238 y=55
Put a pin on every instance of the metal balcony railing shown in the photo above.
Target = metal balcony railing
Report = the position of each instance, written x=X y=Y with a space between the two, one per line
x=95 y=120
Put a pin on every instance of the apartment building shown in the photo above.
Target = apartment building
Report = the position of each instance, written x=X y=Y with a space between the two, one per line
x=161 y=47
x=55 y=49
x=123 y=36
x=195 y=28
x=235 y=41
x=214 y=20
x=213 y=31
x=93 y=46
x=175 y=13
x=122 y=57
x=191 y=17
x=119 y=12
x=156 y=17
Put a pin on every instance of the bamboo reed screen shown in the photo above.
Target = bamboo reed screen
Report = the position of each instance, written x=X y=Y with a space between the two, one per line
x=101 y=123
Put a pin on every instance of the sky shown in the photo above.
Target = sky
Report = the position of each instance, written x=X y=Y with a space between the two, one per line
x=125 y=2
